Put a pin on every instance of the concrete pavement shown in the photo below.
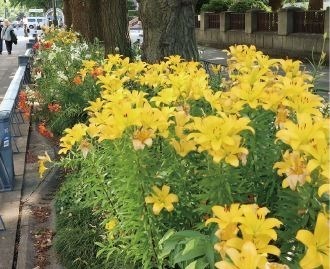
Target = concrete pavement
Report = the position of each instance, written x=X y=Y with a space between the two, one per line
x=10 y=201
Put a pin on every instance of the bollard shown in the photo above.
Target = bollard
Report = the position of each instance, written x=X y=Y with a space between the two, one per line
x=6 y=154
x=29 y=45
x=32 y=40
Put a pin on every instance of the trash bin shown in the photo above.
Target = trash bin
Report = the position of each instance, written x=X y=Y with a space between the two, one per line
x=6 y=154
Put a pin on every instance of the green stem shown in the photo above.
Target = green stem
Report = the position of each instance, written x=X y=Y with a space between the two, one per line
x=148 y=223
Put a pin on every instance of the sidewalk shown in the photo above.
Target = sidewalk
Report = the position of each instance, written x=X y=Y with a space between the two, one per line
x=10 y=201
x=27 y=210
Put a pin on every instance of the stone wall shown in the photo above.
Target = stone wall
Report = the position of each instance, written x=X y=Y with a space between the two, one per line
x=281 y=43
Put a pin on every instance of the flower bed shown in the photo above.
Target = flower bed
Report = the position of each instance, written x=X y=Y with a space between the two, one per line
x=180 y=174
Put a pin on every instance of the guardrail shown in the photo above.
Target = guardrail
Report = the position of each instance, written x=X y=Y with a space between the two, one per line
x=10 y=118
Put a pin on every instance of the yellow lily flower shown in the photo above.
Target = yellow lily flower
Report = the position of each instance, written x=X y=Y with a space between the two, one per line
x=320 y=156
x=162 y=199
x=325 y=188
x=296 y=169
x=41 y=162
x=302 y=133
x=88 y=64
x=254 y=224
x=142 y=138
x=225 y=216
x=73 y=135
x=219 y=136
x=111 y=224
x=317 y=244
x=248 y=258
x=183 y=146
x=305 y=103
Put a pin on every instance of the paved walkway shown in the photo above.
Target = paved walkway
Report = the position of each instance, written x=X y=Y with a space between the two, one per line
x=10 y=201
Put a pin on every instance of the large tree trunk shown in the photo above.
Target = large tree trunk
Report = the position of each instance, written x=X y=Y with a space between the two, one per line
x=79 y=15
x=94 y=20
x=67 y=13
x=86 y=18
x=168 y=29
x=315 y=4
x=115 y=27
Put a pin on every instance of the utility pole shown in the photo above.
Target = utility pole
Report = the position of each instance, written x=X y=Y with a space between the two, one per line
x=6 y=10
x=55 y=22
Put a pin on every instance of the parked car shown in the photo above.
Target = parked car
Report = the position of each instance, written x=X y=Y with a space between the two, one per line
x=35 y=22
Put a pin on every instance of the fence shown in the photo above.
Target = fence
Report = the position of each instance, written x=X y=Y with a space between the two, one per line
x=286 y=32
x=214 y=21
x=308 y=22
x=267 y=21
x=10 y=118
x=236 y=21
x=303 y=21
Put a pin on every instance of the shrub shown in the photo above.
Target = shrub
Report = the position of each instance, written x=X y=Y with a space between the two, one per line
x=216 y=6
x=245 y=5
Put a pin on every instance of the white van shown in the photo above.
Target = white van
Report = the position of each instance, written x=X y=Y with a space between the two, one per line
x=34 y=22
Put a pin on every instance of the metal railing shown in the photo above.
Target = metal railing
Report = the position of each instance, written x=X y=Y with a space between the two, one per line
x=10 y=119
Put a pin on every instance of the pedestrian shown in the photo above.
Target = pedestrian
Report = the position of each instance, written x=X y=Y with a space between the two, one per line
x=6 y=35
x=25 y=26
x=1 y=41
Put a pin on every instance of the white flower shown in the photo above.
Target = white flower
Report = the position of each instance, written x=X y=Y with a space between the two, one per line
x=51 y=56
x=62 y=76
x=37 y=75
x=58 y=50
x=88 y=56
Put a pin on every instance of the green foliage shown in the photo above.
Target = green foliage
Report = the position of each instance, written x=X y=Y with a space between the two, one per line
x=188 y=249
x=242 y=6
x=45 y=4
x=56 y=85
x=216 y=6
x=131 y=5
x=77 y=228
x=199 y=5
x=110 y=186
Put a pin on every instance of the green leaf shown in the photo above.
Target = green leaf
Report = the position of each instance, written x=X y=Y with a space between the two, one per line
x=198 y=264
x=193 y=249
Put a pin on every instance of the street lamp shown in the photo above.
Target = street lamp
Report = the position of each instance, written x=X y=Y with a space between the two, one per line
x=55 y=22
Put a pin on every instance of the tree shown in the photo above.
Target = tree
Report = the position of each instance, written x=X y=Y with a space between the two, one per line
x=67 y=11
x=315 y=4
x=168 y=29
x=115 y=27
x=85 y=18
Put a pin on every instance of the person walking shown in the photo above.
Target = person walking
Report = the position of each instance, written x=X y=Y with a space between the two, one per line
x=25 y=26
x=6 y=35
x=1 y=41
